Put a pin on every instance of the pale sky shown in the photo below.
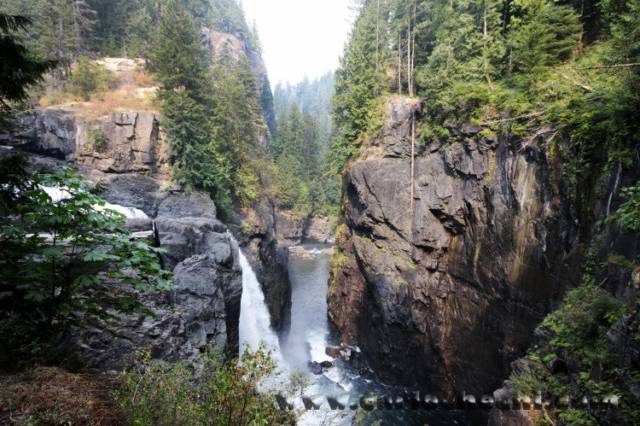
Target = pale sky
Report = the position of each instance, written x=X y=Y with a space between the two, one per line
x=300 y=38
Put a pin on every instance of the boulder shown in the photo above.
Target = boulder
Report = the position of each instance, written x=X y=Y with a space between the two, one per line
x=183 y=238
x=49 y=132
x=333 y=351
x=315 y=367
x=134 y=190
x=182 y=205
x=204 y=291
x=326 y=365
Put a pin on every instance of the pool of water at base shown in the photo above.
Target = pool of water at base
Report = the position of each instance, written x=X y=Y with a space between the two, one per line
x=307 y=334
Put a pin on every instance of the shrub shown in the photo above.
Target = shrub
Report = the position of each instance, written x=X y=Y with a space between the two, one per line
x=88 y=78
x=98 y=139
x=575 y=326
x=628 y=215
x=224 y=393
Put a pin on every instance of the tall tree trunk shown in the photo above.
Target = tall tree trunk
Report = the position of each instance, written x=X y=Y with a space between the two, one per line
x=413 y=49
x=413 y=159
x=580 y=49
x=399 y=62
x=378 y=36
x=485 y=36
x=409 y=59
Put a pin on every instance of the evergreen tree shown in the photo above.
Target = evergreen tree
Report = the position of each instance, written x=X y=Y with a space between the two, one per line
x=541 y=34
x=20 y=68
x=236 y=116
x=178 y=58
x=359 y=81
x=186 y=98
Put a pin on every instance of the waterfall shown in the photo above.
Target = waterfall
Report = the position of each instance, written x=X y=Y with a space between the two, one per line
x=255 y=322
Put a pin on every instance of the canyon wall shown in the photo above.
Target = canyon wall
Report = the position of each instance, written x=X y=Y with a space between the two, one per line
x=444 y=290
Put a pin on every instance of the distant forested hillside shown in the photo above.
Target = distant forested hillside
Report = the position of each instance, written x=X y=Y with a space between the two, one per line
x=301 y=144
x=65 y=29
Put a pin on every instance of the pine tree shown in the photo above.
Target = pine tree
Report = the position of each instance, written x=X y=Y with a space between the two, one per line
x=20 y=68
x=358 y=83
x=178 y=58
x=236 y=116
x=541 y=34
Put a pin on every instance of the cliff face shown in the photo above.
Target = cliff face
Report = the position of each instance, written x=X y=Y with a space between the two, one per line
x=125 y=151
x=444 y=290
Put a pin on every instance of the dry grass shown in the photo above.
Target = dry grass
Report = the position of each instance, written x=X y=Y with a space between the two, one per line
x=130 y=90
x=126 y=98
x=141 y=78
x=51 y=396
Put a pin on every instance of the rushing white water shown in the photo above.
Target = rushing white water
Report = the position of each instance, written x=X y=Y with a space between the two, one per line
x=59 y=194
x=255 y=322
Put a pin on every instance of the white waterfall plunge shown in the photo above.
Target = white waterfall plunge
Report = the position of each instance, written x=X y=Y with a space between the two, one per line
x=255 y=322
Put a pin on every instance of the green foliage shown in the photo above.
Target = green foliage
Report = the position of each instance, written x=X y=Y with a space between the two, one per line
x=360 y=79
x=576 y=418
x=62 y=29
x=576 y=333
x=88 y=78
x=211 y=114
x=20 y=68
x=63 y=258
x=542 y=34
x=98 y=139
x=575 y=325
x=511 y=67
x=299 y=179
x=628 y=214
x=235 y=122
x=155 y=394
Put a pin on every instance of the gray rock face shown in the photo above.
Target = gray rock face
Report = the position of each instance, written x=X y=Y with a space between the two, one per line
x=187 y=226
x=50 y=133
x=289 y=228
x=445 y=290
x=123 y=142
x=134 y=190
x=183 y=205
x=202 y=312
x=131 y=143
